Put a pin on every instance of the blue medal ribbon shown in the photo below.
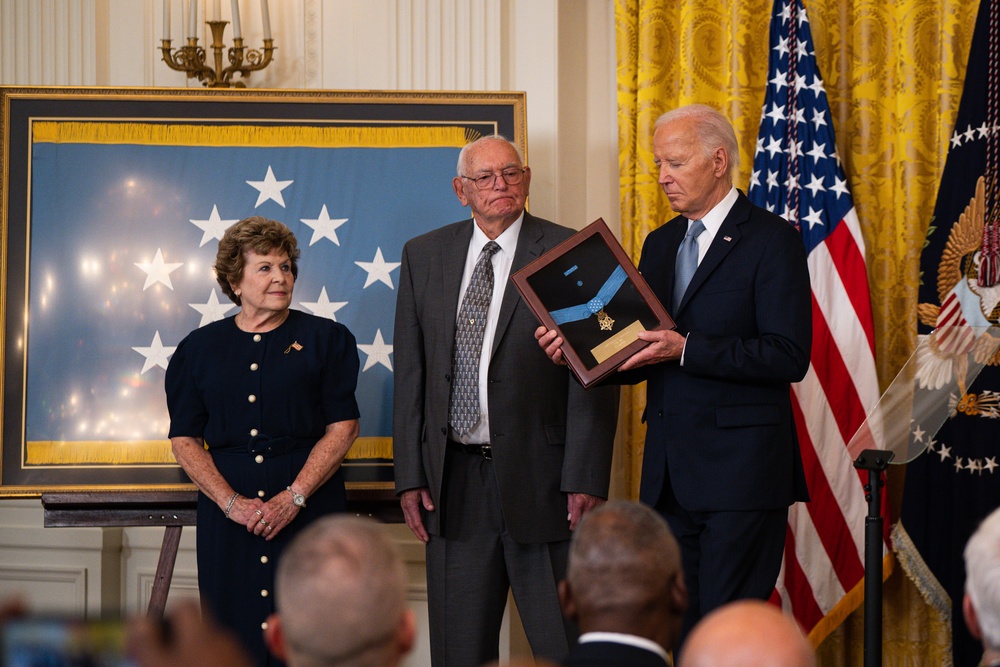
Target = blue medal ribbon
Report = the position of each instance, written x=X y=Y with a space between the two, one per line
x=595 y=305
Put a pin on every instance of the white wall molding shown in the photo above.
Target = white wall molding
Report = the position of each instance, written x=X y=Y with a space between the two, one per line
x=50 y=588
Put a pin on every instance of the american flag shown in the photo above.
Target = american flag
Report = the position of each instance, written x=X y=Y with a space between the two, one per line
x=797 y=174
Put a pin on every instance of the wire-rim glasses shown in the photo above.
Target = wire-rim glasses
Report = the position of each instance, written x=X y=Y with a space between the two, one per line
x=511 y=176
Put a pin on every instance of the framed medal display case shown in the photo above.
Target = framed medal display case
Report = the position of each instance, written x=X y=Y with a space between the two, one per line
x=588 y=290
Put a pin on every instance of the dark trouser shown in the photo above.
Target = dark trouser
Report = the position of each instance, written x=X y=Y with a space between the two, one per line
x=726 y=556
x=471 y=569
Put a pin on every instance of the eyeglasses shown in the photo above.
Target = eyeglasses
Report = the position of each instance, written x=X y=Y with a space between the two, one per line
x=511 y=176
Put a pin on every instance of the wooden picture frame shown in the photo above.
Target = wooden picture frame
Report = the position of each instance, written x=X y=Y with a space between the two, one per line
x=588 y=290
x=101 y=187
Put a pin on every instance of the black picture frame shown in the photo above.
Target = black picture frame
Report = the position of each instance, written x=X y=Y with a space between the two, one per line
x=21 y=111
x=588 y=290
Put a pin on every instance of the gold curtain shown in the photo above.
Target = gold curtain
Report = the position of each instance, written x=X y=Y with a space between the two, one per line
x=893 y=73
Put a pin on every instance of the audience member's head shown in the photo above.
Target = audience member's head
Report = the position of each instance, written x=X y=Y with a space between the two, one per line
x=341 y=597
x=625 y=575
x=747 y=633
x=981 y=605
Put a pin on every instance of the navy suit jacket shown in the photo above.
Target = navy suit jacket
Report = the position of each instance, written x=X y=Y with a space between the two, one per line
x=611 y=654
x=719 y=428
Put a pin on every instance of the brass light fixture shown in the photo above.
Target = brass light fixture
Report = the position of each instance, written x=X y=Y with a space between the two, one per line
x=192 y=58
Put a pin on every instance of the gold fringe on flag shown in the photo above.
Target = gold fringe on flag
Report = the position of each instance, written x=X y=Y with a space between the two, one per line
x=82 y=452
x=280 y=136
x=153 y=452
x=371 y=448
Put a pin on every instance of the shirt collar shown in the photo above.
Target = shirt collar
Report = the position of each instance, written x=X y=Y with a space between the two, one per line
x=717 y=215
x=622 y=638
x=507 y=240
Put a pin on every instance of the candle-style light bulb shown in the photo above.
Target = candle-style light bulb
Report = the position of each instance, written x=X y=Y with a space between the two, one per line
x=193 y=19
x=237 y=31
x=266 y=16
x=166 y=19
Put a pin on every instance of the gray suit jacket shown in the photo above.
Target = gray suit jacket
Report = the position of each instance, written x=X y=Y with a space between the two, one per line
x=549 y=436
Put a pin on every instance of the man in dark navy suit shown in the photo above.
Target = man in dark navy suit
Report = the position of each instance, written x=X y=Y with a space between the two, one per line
x=721 y=461
x=624 y=588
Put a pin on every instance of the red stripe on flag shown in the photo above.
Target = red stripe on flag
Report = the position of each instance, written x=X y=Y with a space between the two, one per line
x=800 y=593
x=833 y=529
x=833 y=376
x=850 y=265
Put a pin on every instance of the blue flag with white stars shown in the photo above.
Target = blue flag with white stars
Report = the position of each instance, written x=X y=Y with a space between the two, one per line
x=122 y=241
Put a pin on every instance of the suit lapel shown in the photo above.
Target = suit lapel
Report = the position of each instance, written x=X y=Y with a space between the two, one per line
x=453 y=254
x=529 y=248
x=725 y=240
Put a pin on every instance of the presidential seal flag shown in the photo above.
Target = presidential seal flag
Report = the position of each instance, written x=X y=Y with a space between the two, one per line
x=956 y=482
x=797 y=174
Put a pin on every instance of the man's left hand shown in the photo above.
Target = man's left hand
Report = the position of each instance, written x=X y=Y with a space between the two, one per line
x=579 y=504
x=665 y=345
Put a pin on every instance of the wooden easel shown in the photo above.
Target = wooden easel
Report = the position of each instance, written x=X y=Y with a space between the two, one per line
x=174 y=510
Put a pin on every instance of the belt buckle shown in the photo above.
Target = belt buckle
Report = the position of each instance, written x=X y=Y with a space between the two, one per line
x=487 y=452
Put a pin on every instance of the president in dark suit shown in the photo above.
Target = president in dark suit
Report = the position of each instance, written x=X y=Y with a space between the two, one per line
x=721 y=461
x=498 y=453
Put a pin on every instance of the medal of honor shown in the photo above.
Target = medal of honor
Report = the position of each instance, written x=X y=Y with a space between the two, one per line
x=605 y=320
x=596 y=305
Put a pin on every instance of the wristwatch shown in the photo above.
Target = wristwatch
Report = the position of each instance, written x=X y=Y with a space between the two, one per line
x=297 y=498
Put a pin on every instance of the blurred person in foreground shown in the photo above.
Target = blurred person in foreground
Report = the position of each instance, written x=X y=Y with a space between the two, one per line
x=624 y=588
x=341 y=600
x=747 y=633
x=981 y=604
x=262 y=413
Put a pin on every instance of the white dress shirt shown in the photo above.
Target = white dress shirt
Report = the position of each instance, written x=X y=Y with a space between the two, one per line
x=502 y=261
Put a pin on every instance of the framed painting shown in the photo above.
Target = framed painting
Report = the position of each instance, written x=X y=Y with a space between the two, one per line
x=112 y=204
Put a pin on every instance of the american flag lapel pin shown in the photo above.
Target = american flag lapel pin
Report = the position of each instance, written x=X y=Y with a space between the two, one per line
x=294 y=346
x=727 y=239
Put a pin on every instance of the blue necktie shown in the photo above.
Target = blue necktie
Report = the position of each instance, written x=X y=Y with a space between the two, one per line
x=464 y=406
x=687 y=262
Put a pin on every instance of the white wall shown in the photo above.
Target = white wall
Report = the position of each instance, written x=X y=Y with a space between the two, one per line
x=560 y=52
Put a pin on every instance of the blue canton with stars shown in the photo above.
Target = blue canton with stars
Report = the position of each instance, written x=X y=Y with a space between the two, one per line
x=121 y=259
x=819 y=181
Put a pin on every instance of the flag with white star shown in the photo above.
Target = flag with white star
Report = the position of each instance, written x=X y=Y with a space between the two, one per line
x=956 y=482
x=797 y=173
x=122 y=250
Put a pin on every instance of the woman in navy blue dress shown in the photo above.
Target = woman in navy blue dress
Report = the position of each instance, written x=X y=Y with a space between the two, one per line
x=262 y=413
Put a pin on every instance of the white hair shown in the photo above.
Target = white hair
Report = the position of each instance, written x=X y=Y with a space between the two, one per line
x=982 y=577
x=463 y=156
x=714 y=130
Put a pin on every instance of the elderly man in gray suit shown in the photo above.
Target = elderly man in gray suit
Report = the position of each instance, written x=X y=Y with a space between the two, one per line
x=498 y=453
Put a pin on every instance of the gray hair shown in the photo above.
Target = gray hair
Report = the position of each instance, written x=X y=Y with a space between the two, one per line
x=622 y=556
x=340 y=592
x=714 y=130
x=982 y=577
x=463 y=156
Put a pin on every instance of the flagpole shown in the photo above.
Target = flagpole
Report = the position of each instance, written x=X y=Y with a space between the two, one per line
x=875 y=461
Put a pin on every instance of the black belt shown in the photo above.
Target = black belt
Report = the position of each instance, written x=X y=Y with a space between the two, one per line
x=486 y=451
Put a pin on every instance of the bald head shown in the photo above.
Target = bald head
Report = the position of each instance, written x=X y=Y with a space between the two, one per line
x=747 y=633
x=624 y=574
x=341 y=596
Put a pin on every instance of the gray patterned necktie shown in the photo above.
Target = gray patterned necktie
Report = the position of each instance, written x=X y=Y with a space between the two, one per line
x=687 y=262
x=464 y=407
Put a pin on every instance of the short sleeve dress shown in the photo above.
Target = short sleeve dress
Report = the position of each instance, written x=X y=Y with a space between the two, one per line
x=261 y=401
